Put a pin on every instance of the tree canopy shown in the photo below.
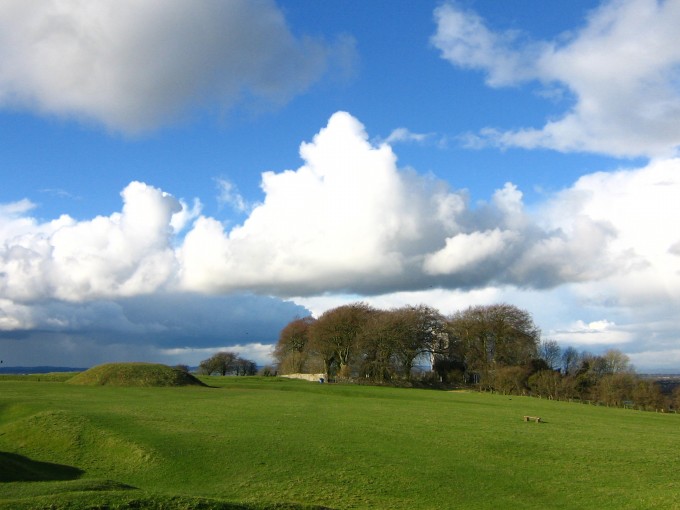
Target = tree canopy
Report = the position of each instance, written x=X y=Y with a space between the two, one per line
x=291 y=352
x=494 y=336
x=359 y=340
x=494 y=347
x=334 y=336
x=227 y=362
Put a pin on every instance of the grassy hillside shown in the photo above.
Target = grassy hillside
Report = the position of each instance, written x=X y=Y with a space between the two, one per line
x=275 y=443
x=134 y=374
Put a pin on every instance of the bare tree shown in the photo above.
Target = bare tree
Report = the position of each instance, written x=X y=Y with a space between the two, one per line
x=245 y=367
x=570 y=361
x=616 y=362
x=550 y=352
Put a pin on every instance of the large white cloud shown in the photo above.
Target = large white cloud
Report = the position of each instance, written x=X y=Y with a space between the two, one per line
x=349 y=222
x=622 y=69
x=641 y=303
x=643 y=209
x=127 y=253
x=325 y=225
x=134 y=65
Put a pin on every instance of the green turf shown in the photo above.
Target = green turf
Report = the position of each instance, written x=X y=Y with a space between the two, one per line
x=276 y=443
x=48 y=377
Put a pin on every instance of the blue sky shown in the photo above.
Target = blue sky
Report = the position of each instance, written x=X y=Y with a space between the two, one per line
x=181 y=177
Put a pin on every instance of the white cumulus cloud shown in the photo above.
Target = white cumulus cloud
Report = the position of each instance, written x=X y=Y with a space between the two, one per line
x=465 y=250
x=622 y=69
x=641 y=207
x=600 y=332
x=126 y=253
x=349 y=220
x=324 y=225
x=228 y=194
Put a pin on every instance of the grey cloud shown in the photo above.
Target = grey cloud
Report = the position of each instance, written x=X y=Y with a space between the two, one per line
x=144 y=328
x=181 y=320
x=132 y=66
x=675 y=249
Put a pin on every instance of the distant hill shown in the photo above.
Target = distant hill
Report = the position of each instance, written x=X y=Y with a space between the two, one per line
x=667 y=382
x=38 y=370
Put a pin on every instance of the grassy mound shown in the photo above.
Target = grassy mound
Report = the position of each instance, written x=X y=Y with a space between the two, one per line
x=134 y=374
x=77 y=444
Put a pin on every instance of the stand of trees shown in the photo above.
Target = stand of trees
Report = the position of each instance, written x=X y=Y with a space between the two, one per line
x=492 y=348
x=227 y=363
x=482 y=341
x=607 y=379
x=361 y=342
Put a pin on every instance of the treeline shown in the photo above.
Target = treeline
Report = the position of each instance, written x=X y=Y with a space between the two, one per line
x=359 y=341
x=492 y=348
x=607 y=379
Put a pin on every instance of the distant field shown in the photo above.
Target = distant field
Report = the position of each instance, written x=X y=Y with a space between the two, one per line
x=254 y=443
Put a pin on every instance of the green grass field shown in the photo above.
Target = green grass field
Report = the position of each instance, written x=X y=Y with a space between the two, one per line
x=255 y=443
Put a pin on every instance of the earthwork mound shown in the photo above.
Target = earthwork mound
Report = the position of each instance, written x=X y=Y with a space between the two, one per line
x=134 y=374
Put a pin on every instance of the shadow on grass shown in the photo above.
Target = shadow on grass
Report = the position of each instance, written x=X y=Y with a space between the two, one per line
x=17 y=468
